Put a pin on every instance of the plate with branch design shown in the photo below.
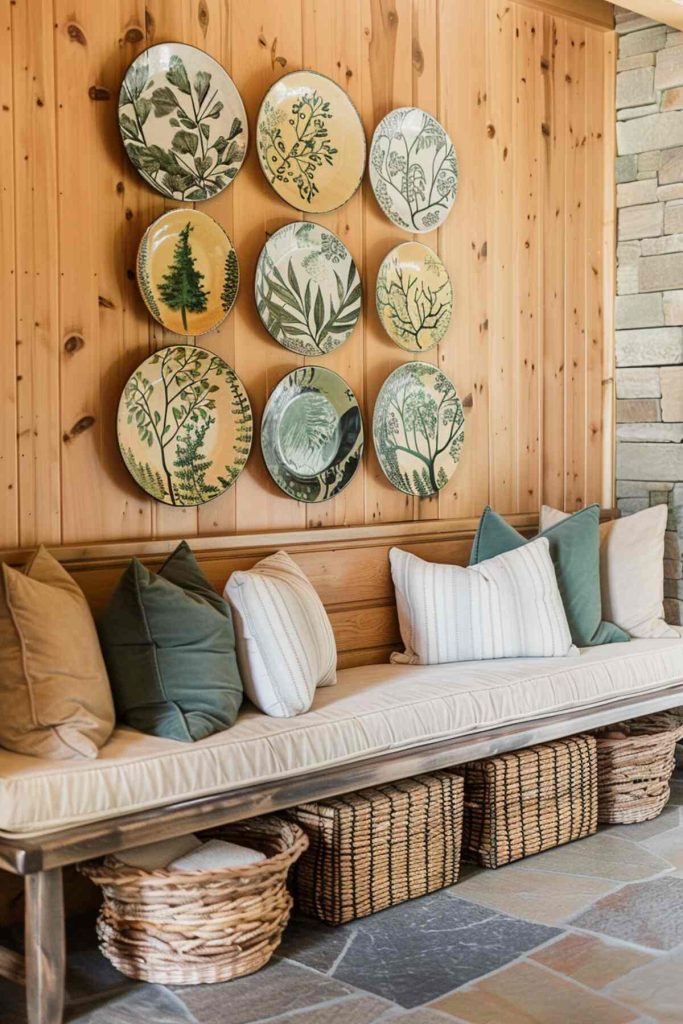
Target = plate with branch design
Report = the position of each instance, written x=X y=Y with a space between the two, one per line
x=308 y=291
x=312 y=434
x=418 y=428
x=187 y=271
x=310 y=142
x=184 y=425
x=414 y=297
x=413 y=169
x=182 y=122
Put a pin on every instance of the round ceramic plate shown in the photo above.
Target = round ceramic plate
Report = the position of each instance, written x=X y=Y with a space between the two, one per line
x=182 y=121
x=413 y=169
x=308 y=291
x=187 y=271
x=310 y=142
x=418 y=428
x=312 y=434
x=184 y=425
x=414 y=297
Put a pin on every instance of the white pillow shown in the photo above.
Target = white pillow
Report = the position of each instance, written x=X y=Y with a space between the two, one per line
x=284 y=639
x=216 y=854
x=506 y=607
x=631 y=570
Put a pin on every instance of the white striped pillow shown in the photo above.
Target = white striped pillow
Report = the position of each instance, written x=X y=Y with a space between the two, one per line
x=506 y=607
x=284 y=639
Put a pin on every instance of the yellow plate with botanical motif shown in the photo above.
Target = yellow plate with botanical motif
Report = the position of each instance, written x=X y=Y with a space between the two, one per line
x=310 y=142
x=187 y=272
x=414 y=297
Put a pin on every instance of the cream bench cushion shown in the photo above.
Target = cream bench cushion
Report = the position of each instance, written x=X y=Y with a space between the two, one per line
x=372 y=710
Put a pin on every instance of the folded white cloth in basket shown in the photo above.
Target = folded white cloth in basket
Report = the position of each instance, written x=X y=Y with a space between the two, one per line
x=153 y=856
x=216 y=854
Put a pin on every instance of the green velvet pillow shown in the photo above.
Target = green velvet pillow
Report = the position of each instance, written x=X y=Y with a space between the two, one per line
x=169 y=645
x=575 y=550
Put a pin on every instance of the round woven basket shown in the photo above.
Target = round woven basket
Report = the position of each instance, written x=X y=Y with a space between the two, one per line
x=635 y=762
x=195 y=927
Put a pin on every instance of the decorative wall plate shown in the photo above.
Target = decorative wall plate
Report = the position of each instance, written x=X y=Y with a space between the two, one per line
x=187 y=271
x=418 y=428
x=184 y=425
x=308 y=292
x=182 y=121
x=413 y=169
x=312 y=434
x=414 y=296
x=310 y=142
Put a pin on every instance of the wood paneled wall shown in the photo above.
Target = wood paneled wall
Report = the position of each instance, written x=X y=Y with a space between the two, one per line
x=525 y=91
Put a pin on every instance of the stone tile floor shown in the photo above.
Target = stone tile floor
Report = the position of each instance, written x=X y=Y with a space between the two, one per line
x=590 y=933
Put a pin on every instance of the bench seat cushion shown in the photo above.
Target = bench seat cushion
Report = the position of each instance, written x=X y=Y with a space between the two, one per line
x=372 y=710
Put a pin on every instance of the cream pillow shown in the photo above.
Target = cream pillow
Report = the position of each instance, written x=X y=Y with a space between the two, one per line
x=55 y=699
x=505 y=607
x=285 y=643
x=631 y=570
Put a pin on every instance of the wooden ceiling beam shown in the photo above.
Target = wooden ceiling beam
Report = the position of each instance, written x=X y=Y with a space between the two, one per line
x=598 y=13
x=666 y=11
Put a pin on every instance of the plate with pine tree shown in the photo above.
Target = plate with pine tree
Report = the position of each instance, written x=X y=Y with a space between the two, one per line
x=187 y=272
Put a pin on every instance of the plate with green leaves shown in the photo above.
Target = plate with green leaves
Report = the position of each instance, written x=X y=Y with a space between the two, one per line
x=184 y=425
x=182 y=122
x=308 y=290
x=414 y=296
x=312 y=434
x=418 y=428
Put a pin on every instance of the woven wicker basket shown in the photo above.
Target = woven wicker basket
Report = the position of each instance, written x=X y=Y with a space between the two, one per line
x=635 y=762
x=193 y=927
x=531 y=800
x=379 y=847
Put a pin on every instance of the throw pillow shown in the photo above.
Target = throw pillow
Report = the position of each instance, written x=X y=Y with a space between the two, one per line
x=285 y=643
x=631 y=570
x=575 y=549
x=505 y=607
x=55 y=699
x=169 y=645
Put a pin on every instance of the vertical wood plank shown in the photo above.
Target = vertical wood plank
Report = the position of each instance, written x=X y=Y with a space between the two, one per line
x=608 y=264
x=45 y=947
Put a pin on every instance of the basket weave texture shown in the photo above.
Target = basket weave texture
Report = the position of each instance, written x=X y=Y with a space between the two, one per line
x=381 y=846
x=530 y=800
x=636 y=760
x=193 y=927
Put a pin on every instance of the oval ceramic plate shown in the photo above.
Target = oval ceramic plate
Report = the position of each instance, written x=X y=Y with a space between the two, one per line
x=184 y=425
x=182 y=122
x=310 y=142
x=308 y=292
x=187 y=271
x=418 y=428
x=413 y=169
x=312 y=434
x=414 y=297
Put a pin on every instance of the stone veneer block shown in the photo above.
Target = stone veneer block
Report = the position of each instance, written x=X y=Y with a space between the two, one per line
x=667 y=192
x=628 y=113
x=638 y=383
x=662 y=246
x=637 y=461
x=673 y=99
x=629 y=21
x=661 y=274
x=628 y=278
x=636 y=193
x=650 y=347
x=638 y=410
x=672 y=393
x=672 y=550
x=673 y=217
x=639 y=60
x=627 y=168
x=669 y=71
x=671 y=167
x=673 y=306
x=635 y=88
x=639 y=311
x=646 y=41
x=627 y=506
x=646 y=433
x=641 y=221
x=648 y=161
x=658 y=131
x=642 y=489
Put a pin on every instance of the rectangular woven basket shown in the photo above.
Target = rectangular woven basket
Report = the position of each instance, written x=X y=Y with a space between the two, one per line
x=530 y=800
x=373 y=849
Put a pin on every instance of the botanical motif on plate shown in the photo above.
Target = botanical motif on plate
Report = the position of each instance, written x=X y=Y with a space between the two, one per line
x=182 y=122
x=418 y=428
x=312 y=434
x=310 y=142
x=184 y=425
x=308 y=292
x=187 y=271
x=414 y=297
x=413 y=169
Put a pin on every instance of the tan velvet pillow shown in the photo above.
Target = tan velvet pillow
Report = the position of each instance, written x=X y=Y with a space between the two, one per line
x=55 y=699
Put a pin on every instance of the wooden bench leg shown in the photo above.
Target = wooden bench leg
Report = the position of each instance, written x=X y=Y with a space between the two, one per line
x=45 y=947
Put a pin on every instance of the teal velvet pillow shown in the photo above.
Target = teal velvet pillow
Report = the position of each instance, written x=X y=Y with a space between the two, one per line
x=575 y=550
x=169 y=645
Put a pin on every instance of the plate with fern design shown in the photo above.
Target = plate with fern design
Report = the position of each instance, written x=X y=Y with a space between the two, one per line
x=184 y=425
x=418 y=428
x=414 y=297
x=312 y=434
x=308 y=290
x=182 y=122
x=187 y=271
x=310 y=142
x=413 y=169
